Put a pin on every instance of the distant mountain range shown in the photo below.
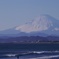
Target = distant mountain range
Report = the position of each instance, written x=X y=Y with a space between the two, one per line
x=41 y=26
x=44 y=25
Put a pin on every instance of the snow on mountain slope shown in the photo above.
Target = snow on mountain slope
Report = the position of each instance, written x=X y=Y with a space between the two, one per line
x=42 y=23
x=41 y=26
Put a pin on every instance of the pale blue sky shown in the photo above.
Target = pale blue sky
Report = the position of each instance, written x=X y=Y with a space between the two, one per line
x=16 y=12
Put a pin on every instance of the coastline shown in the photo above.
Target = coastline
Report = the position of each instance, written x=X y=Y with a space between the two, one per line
x=49 y=42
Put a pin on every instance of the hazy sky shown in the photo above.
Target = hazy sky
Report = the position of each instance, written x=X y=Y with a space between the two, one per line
x=16 y=12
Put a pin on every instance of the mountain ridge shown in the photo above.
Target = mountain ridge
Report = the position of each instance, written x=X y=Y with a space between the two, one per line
x=44 y=25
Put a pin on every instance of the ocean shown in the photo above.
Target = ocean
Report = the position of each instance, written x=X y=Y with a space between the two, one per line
x=29 y=51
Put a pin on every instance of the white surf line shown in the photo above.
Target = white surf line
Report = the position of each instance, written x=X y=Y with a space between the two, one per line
x=49 y=51
x=46 y=57
x=10 y=55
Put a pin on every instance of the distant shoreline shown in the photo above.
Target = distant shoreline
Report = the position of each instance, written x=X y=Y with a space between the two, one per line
x=32 y=42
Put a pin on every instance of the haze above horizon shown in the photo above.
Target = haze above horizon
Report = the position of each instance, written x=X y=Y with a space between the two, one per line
x=17 y=12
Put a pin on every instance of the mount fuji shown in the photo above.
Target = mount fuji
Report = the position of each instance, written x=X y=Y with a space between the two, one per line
x=44 y=25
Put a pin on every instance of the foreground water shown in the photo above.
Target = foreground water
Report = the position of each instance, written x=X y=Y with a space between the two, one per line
x=29 y=51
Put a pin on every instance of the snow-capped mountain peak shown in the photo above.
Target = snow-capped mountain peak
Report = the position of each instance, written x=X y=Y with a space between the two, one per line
x=41 y=23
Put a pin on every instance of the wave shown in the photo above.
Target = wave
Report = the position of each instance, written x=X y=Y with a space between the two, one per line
x=10 y=55
x=47 y=57
x=39 y=54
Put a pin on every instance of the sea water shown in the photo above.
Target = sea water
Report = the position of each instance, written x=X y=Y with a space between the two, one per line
x=29 y=51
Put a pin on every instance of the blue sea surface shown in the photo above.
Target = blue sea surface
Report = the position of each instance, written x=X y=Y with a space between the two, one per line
x=29 y=51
